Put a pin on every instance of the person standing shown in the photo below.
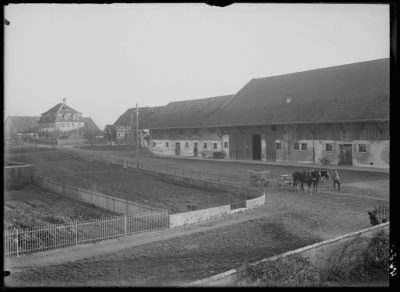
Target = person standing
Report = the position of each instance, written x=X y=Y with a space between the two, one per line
x=336 y=180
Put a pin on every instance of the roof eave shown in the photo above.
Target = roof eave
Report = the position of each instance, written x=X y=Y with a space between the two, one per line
x=291 y=123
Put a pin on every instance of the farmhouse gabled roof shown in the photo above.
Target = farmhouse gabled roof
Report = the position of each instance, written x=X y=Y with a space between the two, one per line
x=19 y=124
x=345 y=93
x=128 y=118
x=61 y=108
x=187 y=113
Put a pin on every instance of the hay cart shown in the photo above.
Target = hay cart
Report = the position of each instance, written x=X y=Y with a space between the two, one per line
x=264 y=178
x=259 y=177
x=285 y=181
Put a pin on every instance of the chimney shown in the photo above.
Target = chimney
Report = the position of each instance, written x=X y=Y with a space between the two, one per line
x=64 y=100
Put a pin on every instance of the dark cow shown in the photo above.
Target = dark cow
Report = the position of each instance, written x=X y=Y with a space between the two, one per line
x=316 y=177
x=324 y=174
x=310 y=177
x=302 y=177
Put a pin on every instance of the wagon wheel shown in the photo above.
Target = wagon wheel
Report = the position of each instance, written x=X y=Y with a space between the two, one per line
x=254 y=180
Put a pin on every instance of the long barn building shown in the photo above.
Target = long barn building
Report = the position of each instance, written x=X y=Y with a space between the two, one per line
x=335 y=115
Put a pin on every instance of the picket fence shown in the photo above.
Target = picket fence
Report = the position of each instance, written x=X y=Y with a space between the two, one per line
x=43 y=238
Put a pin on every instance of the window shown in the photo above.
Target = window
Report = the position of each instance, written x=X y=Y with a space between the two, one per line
x=296 y=146
x=215 y=145
x=154 y=144
x=187 y=144
x=362 y=147
x=329 y=147
x=166 y=144
x=278 y=145
x=303 y=146
x=225 y=144
x=195 y=145
x=205 y=145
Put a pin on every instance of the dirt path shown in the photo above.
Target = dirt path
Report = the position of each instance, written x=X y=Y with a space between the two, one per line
x=110 y=246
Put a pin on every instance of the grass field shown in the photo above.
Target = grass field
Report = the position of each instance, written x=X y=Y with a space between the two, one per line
x=126 y=184
x=33 y=206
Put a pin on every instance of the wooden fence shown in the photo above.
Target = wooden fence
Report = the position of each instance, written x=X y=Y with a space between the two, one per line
x=42 y=238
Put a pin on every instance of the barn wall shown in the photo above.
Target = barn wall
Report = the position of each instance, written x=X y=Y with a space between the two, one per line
x=377 y=154
x=187 y=139
x=374 y=135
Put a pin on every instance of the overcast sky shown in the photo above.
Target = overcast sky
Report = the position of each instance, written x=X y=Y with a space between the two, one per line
x=106 y=58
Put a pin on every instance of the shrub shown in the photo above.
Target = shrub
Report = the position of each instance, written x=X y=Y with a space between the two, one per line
x=292 y=271
x=325 y=161
x=371 y=264
x=219 y=154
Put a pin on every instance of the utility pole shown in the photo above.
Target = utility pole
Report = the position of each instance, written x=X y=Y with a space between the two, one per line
x=131 y=137
x=137 y=131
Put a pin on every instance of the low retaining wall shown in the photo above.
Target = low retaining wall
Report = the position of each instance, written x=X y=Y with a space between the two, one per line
x=206 y=214
x=197 y=216
x=320 y=254
x=252 y=203
x=17 y=175
x=97 y=199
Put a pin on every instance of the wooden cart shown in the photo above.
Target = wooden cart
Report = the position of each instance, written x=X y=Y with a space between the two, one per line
x=259 y=177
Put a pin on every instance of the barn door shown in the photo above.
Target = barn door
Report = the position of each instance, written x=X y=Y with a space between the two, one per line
x=345 y=155
x=256 y=143
x=177 y=148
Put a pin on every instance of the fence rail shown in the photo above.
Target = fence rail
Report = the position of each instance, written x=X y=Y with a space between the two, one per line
x=166 y=169
x=43 y=238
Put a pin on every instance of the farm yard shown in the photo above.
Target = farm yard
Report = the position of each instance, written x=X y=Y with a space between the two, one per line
x=288 y=221
x=34 y=206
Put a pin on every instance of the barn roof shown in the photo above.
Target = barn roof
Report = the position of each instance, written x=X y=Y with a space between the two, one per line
x=187 y=113
x=90 y=126
x=345 y=93
x=129 y=116
x=19 y=124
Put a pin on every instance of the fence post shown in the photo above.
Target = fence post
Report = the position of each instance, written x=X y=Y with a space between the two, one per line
x=125 y=225
x=76 y=233
x=17 y=244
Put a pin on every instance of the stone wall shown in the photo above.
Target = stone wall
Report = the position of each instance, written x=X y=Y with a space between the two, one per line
x=17 y=175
